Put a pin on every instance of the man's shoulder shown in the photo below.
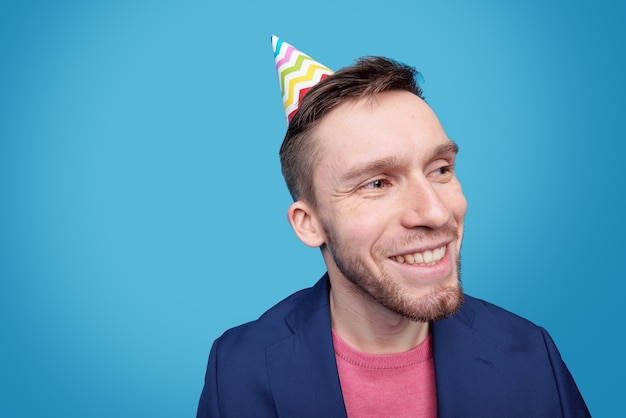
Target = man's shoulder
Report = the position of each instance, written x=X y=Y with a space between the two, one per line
x=276 y=323
x=496 y=323
x=272 y=320
x=484 y=308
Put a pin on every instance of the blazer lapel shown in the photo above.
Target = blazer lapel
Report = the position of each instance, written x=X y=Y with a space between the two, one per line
x=302 y=369
x=468 y=369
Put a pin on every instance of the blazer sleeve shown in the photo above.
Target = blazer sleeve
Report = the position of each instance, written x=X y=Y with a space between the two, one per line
x=208 y=406
x=572 y=403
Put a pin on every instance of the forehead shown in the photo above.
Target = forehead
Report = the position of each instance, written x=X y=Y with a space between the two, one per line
x=393 y=124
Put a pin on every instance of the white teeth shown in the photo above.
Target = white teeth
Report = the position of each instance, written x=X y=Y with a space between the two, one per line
x=426 y=257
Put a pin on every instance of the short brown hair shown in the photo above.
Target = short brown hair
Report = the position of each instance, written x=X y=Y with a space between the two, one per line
x=366 y=78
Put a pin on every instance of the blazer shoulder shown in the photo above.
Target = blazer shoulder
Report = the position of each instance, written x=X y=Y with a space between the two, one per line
x=277 y=323
x=489 y=311
x=269 y=327
x=238 y=378
x=498 y=324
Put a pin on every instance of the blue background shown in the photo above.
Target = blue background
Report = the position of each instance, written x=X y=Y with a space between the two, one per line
x=142 y=209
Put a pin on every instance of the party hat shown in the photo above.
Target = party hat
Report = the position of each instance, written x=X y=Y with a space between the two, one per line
x=297 y=73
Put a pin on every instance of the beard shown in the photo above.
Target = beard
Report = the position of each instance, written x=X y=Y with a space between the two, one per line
x=443 y=301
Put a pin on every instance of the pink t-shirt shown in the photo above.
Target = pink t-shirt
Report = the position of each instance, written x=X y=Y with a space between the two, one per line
x=387 y=385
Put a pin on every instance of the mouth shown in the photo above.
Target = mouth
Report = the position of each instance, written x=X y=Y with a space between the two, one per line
x=422 y=258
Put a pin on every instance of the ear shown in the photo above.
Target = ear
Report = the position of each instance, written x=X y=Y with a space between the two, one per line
x=305 y=224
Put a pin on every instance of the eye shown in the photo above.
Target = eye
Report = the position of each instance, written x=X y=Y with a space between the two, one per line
x=375 y=184
x=441 y=168
x=441 y=171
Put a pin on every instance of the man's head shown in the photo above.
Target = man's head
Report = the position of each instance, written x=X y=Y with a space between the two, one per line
x=366 y=78
x=383 y=201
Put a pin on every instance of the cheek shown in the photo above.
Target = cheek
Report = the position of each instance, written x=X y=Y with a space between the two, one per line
x=373 y=217
x=461 y=207
x=458 y=203
x=358 y=225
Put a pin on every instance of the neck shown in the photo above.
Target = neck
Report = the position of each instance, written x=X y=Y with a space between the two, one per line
x=370 y=327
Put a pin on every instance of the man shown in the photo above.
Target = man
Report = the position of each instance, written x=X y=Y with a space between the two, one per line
x=387 y=332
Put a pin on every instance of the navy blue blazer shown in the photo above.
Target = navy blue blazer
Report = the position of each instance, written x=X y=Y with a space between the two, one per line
x=488 y=363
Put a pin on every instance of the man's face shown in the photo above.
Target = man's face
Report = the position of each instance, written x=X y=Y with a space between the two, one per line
x=390 y=206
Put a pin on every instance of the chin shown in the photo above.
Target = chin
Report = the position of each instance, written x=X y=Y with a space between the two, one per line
x=440 y=303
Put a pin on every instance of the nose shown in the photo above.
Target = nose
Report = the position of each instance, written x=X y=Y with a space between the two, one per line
x=425 y=205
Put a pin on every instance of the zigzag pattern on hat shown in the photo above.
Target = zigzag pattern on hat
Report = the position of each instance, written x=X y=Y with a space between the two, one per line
x=297 y=73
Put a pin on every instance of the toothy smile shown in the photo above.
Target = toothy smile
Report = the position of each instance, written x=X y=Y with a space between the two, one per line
x=428 y=257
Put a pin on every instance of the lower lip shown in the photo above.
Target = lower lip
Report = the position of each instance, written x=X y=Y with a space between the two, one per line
x=438 y=270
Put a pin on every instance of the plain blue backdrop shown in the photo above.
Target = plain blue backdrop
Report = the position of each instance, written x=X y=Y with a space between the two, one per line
x=142 y=209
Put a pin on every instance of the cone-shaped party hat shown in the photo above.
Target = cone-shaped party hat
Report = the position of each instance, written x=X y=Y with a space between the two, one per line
x=297 y=73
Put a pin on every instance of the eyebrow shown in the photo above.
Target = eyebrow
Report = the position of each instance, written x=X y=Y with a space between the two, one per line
x=362 y=170
x=448 y=148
